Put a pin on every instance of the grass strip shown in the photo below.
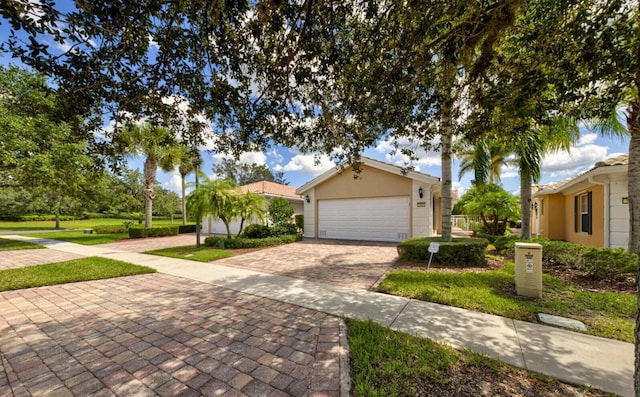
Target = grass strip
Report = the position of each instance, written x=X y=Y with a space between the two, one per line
x=388 y=363
x=80 y=237
x=190 y=252
x=606 y=314
x=84 y=269
x=10 y=245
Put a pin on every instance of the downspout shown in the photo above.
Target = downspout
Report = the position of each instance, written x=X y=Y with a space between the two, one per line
x=607 y=210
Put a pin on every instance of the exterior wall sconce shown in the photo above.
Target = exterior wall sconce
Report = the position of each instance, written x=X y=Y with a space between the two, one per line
x=625 y=200
x=308 y=198
x=535 y=206
x=420 y=192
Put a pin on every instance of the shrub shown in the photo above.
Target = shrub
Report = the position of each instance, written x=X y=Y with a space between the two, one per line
x=283 y=229
x=299 y=219
x=255 y=230
x=600 y=263
x=280 y=211
x=458 y=252
x=236 y=243
x=603 y=263
x=505 y=243
x=155 y=231
x=187 y=228
x=110 y=229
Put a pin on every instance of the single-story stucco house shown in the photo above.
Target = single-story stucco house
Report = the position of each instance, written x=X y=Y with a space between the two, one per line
x=383 y=202
x=270 y=190
x=591 y=209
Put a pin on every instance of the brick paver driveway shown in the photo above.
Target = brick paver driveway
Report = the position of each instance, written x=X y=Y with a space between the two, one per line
x=156 y=334
x=348 y=264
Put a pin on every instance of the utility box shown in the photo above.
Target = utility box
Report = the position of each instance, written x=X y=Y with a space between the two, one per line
x=529 y=270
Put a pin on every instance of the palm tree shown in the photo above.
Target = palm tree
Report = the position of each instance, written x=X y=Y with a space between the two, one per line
x=216 y=198
x=158 y=145
x=484 y=158
x=250 y=205
x=187 y=160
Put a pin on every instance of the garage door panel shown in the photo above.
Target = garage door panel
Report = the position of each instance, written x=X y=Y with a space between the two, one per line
x=376 y=219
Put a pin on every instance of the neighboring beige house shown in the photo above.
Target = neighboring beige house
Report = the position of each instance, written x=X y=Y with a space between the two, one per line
x=270 y=190
x=382 y=203
x=591 y=209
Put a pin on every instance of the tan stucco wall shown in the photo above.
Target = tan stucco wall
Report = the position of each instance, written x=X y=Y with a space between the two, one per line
x=552 y=216
x=596 y=239
x=371 y=182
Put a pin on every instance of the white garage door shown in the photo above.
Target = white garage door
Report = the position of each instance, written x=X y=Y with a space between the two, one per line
x=375 y=219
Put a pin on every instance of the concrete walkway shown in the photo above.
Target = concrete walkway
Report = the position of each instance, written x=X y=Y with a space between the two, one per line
x=572 y=357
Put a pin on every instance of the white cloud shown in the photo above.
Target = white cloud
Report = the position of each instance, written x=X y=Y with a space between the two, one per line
x=245 y=158
x=174 y=183
x=276 y=156
x=587 y=139
x=391 y=147
x=578 y=159
x=308 y=164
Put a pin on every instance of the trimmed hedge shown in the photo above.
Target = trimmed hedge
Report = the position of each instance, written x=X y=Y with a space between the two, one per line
x=187 y=228
x=235 y=243
x=463 y=252
x=110 y=229
x=299 y=219
x=255 y=230
x=31 y=218
x=154 y=231
x=600 y=263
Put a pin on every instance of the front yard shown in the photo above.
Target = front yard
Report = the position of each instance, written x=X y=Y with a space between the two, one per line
x=608 y=314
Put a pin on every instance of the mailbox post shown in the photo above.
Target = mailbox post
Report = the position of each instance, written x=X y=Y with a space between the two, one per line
x=529 y=270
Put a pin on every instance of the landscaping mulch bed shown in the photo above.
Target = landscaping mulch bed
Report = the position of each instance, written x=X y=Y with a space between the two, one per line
x=474 y=380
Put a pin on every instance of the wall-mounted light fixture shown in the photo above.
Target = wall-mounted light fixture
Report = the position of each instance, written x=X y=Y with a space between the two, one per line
x=420 y=192
x=535 y=206
x=307 y=198
x=625 y=200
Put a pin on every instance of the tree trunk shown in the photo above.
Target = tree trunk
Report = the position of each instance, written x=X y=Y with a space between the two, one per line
x=150 y=167
x=446 y=140
x=184 y=199
x=525 y=203
x=57 y=218
x=633 y=123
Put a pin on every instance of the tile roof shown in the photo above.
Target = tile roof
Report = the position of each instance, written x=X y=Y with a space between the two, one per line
x=271 y=189
x=622 y=159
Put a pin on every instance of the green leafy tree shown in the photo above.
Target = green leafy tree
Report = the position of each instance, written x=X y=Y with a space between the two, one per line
x=244 y=174
x=280 y=211
x=158 y=146
x=493 y=205
x=40 y=147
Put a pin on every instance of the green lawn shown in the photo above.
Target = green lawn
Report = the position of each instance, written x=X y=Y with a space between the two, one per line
x=79 y=237
x=606 y=314
x=9 y=245
x=387 y=363
x=84 y=269
x=190 y=252
x=77 y=224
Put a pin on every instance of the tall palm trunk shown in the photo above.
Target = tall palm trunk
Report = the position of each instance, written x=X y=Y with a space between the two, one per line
x=150 y=167
x=525 y=202
x=183 y=176
x=633 y=124
x=446 y=139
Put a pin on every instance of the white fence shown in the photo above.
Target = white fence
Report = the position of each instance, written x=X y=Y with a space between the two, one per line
x=464 y=222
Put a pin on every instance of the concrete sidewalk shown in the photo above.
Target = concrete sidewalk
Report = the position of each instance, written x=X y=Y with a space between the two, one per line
x=572 y=357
